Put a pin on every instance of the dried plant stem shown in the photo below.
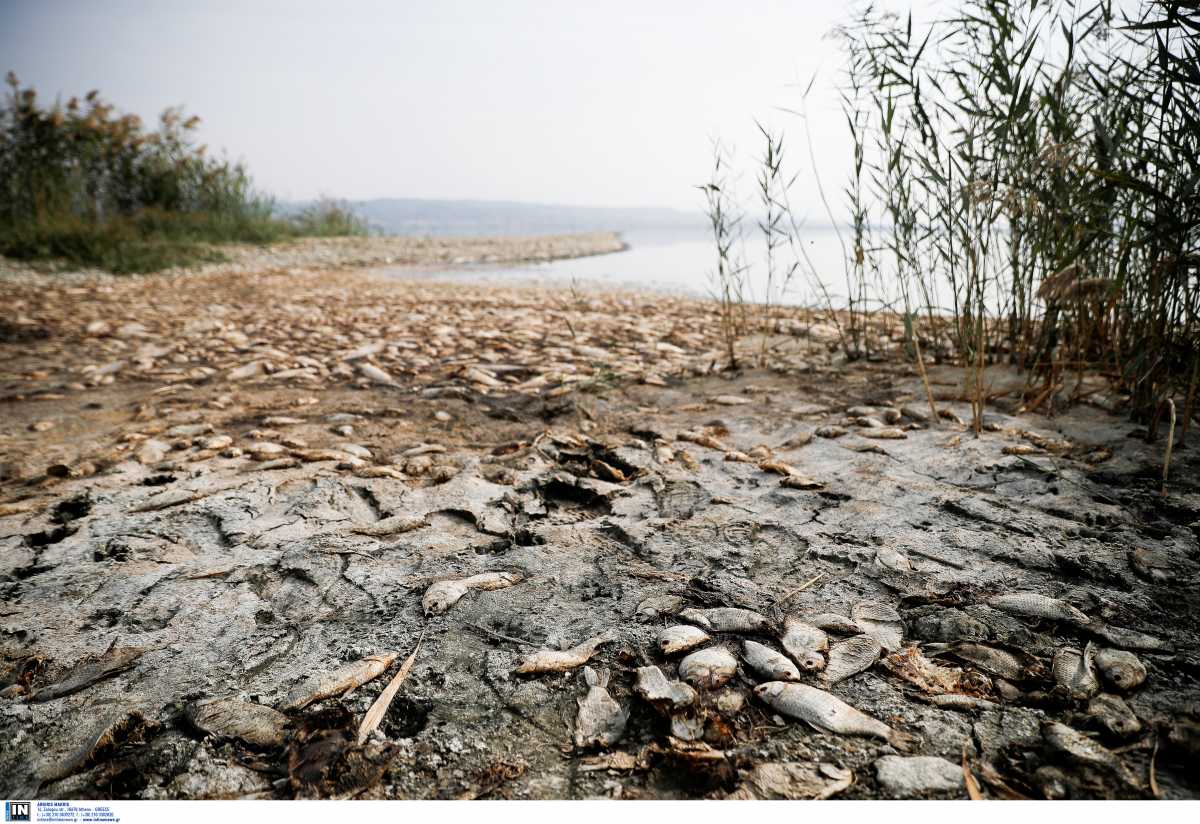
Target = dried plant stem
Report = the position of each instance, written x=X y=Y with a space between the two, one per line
x=1170 y=444
x=924 y=375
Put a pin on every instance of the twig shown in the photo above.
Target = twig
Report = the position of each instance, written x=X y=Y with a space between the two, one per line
x=379 y=709
x=924 y=375
x=1153 y=777
x=1170 y=445
x=798 y=589
x=486 y=631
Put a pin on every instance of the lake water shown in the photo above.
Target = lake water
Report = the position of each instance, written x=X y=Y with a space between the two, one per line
x=673 y=261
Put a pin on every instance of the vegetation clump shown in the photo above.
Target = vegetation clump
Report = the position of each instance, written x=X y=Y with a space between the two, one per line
x=84 y=184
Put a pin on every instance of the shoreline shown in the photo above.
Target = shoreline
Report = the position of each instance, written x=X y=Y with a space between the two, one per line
x=352 y=253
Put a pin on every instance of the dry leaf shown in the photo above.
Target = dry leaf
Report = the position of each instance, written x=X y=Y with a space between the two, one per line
x=379 y=709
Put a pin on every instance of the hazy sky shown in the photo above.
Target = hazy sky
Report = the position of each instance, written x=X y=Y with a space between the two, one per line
x=611 y=103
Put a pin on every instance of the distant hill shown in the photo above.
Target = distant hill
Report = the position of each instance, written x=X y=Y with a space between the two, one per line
x=409 y=216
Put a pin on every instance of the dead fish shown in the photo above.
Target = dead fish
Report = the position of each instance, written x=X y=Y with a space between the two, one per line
x=488 y=581
x=887 y=433
x=792 y=781
x=113 y=730
x=826 y=712
x=952 y=701
x=881 y=622
x=861 y=411
x=1033 y=605
x=913 y=413
x=1075 y=672
x=991 y=660
x=601 y=720
x=725 y=619
x=778 y=467
x=688 y=726
x=375 y=374
x=850 y=657
x=1129 y=638
x=255 y=724
x=772 y=665
x=562 y=660
x=1114 y=716
x=1120 y=668
x=833 y=622
x=681 y=638
x=930 y=676
x=875 y=611
x=442 y=595
x=83 y=675
x=1153 y=565
x=394 y=525
x=708 y=668
x=341 y=680
x=1084 y=750
x=805 y=643
x=663 y=693
x=797 y=481
x=701 y=438
x=830 y=431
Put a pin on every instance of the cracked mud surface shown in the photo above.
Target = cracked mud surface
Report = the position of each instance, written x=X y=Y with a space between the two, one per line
x=252 y=580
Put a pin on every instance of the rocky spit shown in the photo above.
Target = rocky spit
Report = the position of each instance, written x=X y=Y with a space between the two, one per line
x=313 y=532
x=308 y=254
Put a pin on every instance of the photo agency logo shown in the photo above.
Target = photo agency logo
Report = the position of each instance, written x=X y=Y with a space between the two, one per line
x=17 y=810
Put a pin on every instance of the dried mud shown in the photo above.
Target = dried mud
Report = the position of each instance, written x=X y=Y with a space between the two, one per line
x=233 y=580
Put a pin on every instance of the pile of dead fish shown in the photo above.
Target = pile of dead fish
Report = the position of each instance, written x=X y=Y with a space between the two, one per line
x=795 y=664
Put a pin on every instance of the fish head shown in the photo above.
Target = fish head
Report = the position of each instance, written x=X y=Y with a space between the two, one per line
x=1123 y=678
x=812 y=661
x=769 y=689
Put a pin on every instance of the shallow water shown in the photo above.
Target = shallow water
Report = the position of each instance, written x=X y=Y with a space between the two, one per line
x=682 y=261
x=674 y=261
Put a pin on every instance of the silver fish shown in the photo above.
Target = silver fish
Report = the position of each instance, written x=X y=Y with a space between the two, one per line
x=681 y=638
x=834 y=622
x=991 y=660
x=772 y=665
x=875 y=611
x=1033 y=605
x=826 y=712
x=562 y=660
x=230 y=718
x=442 y=595
x=953 y=701
x=805 y=643
x=850 y=657
x=341 y=680
x=1075 y=672
x=658 y=690
x=1120 y=668
x=1114 y=716
x=708 y=668
x=487 y=581
x=601 y=720
x=1130 y=638
x=1084 y=750
x=725 y=619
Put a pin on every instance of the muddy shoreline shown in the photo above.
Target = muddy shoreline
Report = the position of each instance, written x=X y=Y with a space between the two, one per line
x=213 y=518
